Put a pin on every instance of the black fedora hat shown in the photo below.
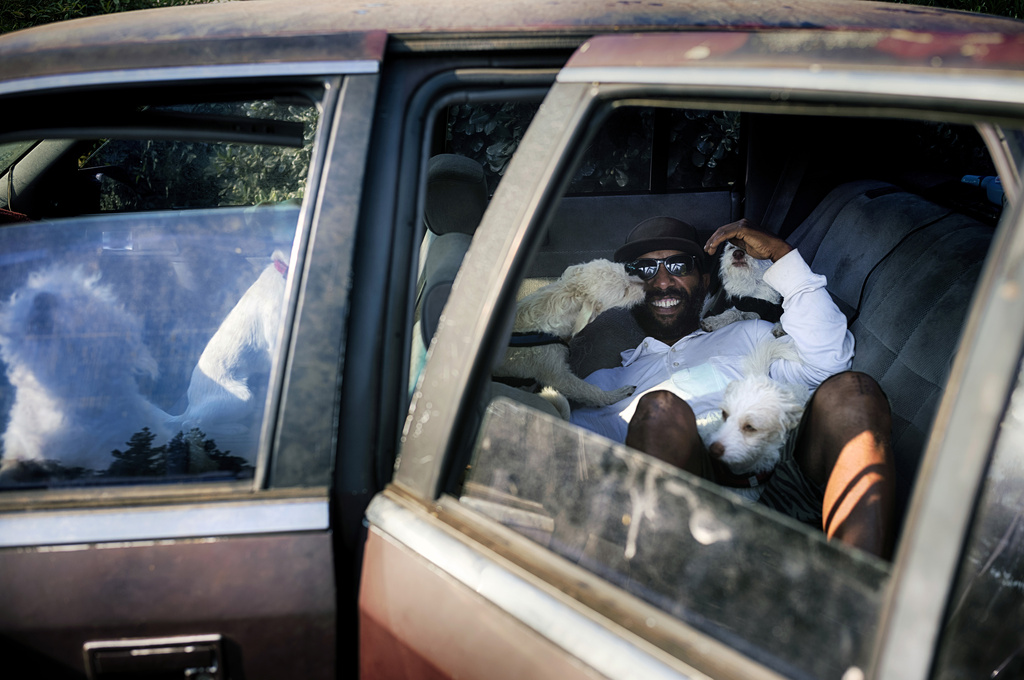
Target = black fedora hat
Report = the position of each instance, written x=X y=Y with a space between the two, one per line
x=660 y=233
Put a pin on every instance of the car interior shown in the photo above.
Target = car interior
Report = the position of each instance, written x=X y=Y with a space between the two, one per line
x=892 y=212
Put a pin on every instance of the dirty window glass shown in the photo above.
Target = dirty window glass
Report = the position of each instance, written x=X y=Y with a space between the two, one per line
x=981 y=638
x=143 y=284
x=762 y=583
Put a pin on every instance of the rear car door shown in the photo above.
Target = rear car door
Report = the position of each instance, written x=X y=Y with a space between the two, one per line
x=510 y=534
x=177 y=238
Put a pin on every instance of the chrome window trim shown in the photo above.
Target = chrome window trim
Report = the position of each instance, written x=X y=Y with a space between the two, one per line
x=613 y=655
x=185 y=73
x=983 y=88
x=234 y=518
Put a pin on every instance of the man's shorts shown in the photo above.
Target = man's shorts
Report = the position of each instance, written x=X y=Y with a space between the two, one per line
x=789 y=490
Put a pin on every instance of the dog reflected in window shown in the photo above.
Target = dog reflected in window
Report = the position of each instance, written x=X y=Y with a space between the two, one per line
x=227 y=391
x=73 y=356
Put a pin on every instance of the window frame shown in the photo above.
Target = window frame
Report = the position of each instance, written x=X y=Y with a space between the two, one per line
x=298 y=489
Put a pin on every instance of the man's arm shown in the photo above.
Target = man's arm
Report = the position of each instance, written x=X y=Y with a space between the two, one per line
x=810 y=317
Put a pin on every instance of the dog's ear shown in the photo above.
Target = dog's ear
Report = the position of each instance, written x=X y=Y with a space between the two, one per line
x=586 y=315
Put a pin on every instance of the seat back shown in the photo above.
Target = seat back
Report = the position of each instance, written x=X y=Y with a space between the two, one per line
x=456 y=200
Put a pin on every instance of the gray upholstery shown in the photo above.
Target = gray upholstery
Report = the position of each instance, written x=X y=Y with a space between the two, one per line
x=455 y=202
x=456 y=194
x=439 y=270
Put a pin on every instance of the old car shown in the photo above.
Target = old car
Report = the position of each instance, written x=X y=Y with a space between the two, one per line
x=261 y=262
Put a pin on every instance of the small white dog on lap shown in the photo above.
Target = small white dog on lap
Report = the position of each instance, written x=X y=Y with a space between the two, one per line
x=758 y=413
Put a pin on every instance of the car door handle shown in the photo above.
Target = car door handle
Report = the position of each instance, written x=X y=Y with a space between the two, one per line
x=196 y=657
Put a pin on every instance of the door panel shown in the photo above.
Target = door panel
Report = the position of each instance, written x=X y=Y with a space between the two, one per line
x=271 y=597
x=156 y=549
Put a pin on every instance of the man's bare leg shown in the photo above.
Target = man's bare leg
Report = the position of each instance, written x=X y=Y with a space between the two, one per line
x=665 y=427
x=846 y=448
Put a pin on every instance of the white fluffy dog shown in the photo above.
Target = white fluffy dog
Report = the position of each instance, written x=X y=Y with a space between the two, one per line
x=744 y=294
x=562 y=309
x=757 y=415
x=227 y=389
x=73 y=355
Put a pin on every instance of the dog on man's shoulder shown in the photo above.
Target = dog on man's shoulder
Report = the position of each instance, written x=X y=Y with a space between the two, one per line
x=742 y=293
x=551 y=316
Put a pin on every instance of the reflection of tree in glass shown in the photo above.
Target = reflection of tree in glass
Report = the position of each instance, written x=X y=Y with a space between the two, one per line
x=185 y=454
x=489 y=134
x=175 y=174
x=703 y=149
x=190 y=453
x=619 y=156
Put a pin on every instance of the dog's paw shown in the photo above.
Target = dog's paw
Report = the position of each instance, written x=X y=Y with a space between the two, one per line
x=778 y=331
x=612 y=396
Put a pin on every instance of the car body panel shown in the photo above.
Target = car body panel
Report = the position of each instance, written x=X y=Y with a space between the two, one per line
x=250 y=589
x=175 y=36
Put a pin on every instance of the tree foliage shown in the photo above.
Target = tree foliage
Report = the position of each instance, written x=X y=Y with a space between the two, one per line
x=17 y=14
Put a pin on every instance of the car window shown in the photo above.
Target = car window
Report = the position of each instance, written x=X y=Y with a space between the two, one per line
x=146 y=266
x=986 y=609
x=885 y=238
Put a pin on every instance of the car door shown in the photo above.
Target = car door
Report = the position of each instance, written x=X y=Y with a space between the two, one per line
x=177 y=246
x=513 y=544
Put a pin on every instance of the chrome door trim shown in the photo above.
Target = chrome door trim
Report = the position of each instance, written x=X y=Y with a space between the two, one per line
x=232 y=518
x=184 y=73
x=977 y=87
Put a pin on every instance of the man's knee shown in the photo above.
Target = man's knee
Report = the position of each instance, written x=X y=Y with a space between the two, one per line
x=663 y=405
x=854 y=395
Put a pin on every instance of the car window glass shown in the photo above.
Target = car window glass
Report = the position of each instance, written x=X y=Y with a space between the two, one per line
x=760 y=582
x=143 y=287
x=986 y=611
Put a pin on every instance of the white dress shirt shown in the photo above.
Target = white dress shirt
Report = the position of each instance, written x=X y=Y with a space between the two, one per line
x=699 y=366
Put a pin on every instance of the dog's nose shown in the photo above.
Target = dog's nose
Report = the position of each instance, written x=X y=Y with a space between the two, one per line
x=738 y=254
x=716 y=449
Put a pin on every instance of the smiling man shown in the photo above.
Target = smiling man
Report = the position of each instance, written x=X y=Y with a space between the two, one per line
x=836 y=472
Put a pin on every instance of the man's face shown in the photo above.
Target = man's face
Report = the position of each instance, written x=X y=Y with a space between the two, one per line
x=673 y=305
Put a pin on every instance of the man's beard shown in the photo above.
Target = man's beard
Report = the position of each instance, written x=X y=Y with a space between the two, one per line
x=671 y=330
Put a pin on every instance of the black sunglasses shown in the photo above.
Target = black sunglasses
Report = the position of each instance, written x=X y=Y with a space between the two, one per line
x=676 y=265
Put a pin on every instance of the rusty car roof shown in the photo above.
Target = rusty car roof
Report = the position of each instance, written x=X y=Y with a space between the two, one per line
x=327 y=30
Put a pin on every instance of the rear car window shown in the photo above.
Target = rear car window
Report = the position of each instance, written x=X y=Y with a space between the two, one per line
x=145 y=272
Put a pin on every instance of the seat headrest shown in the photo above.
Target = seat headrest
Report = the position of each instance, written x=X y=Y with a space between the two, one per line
x=456 y=194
